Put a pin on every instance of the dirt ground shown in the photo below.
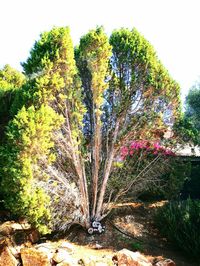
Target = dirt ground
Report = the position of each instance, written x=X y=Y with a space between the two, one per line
x=131 y=226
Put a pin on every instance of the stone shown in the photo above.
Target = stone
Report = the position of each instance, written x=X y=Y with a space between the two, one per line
x=6 y=228
x=7 y=258
x=96 y=261
x=126 y=257
x=32 y=256
x=9 y=227
x=15 y=250
x=60 y=255
x=66 y=246
x=19 y=237
x=33 y=236
x=20 y=226
x=3 y=239
x=165 y=262
x=69 y=261
x=47 y=248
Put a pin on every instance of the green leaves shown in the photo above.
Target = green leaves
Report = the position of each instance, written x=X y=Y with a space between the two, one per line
x=95 y=50
x=10 y=78
x=81 y=105
x=193 y=107
x=180 y=223
x=29 y=143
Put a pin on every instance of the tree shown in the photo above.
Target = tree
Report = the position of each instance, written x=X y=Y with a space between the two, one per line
x=11 y=81
x=193 y=105
x=188 y=125
x=29 y=140
x=192 y=113
x=10 y=78
x=108 y=92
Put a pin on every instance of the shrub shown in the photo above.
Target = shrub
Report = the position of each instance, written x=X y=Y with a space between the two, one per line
x=23 y=161
x=192 y=185
x=180 y=223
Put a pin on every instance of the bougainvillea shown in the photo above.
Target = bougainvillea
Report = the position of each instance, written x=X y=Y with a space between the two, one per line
x=146 y=147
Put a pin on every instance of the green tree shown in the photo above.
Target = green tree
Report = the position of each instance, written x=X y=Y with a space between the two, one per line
x=28 y=147
x=11 y=82
x=108 y=93
x=188 y=125
x=10 y=78
x=193 y=105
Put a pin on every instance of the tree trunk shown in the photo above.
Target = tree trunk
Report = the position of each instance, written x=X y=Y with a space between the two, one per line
x=107 y=171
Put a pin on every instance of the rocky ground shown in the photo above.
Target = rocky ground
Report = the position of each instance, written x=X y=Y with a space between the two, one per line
x=130 y=239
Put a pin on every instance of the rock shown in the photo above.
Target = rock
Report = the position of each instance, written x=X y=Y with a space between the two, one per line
x=10 y=227
x=6 y=228
x=67 y=246
x=19 y=237
x=165 y=262
x=18 y=233
x=47 y=248
x=15 y=251
x=3 y=239
x=126 y=257
x=96 y=261
x=33 y=236
x=32 y=256
x=69 y=261
x=7 y=258
x=20 y=226
x=97 y=246
x=60 y=255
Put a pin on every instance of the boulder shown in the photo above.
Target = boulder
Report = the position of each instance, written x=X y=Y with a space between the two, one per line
x=69 y=261
x=60 y=255
x=47 y=248
x=6 y=228
x=33 y=236
x=126 y=257
x=32 y=256
x=7 y=258
x=18 y=233
x=96 y=261
x=67 y=246
x=165 y=262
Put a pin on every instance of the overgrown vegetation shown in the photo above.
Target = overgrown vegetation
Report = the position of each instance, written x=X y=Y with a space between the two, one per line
x=68 y=121
x=179 y=221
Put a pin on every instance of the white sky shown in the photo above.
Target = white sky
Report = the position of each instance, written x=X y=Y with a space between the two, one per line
x=171 y=26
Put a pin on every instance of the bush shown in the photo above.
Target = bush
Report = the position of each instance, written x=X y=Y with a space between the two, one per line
x=23 y=161
x=180 y=223
x=192 y=185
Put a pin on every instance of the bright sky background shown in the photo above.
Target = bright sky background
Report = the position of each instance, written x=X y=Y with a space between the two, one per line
x=171 y=26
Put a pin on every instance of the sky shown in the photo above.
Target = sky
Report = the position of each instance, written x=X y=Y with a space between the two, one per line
x=171 y=26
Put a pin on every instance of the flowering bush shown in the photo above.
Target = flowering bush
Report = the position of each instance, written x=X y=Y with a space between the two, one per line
x=147 y=167
x=146 y=147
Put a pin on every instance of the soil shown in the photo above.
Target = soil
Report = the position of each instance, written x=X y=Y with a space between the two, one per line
x=131 y=226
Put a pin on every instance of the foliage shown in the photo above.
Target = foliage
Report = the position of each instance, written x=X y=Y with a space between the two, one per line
x=109 y=91
x=10 y=78
x=180 y=223
x=29 y=144
x=193 y=105
x=191 y=187
x=11 y=81
x=186 y=130
x=188 y=126
x=151 y=169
